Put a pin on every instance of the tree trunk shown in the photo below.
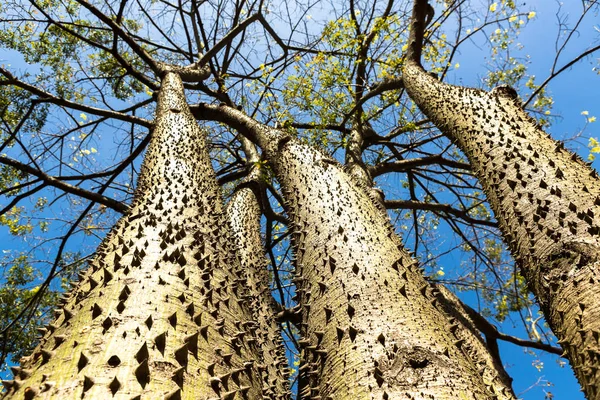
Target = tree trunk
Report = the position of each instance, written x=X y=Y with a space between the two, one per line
x=546 y=201
x=369 y=327
x=244 y=216
x=355 y=165
x=369 y=322
x=159 y=314
x=485 y=356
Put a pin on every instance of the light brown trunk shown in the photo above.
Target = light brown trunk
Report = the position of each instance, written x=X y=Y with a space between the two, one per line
x=486 y=359
x=546 y=201
x=370 y=325
x=485 y=356
x=159 y=314
x=368 y=320
x=244 y=216
x=356 y=167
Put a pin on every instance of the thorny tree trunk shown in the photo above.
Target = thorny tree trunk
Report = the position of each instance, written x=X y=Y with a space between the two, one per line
x=158 y=314
x=546 y=201
x=484 y=355
x=244 y=216
x=369 y=322
x=354 y=163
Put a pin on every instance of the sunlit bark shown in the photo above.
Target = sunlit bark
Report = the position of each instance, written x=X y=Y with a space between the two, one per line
x=244 y=215
x=370 y=323
x=484 y=356
x=545 y=198
x=160 y=311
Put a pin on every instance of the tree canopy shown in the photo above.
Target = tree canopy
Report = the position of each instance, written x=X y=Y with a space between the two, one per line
x=78 y=89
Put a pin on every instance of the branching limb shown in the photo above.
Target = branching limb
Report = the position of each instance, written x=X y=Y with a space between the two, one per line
x=554 y=74
x=418 y=23
x=437 y=207
x=123 y=35
x=492 y=334
x=228 y=38
x=376 y=90
x=406 y=165
x=57 y=183
x=50 y=98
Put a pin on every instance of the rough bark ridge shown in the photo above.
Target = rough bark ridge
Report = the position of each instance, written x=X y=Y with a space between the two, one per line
x=158 y=313
x=546 y=201
x=244 y=216
x=482 y=355
x=355 y=166
x=369 y=327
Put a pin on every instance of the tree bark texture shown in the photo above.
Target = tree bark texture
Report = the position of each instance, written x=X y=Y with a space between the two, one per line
x=484 y=355
x=369 y=323
x=244 y=215
x=160 y=313
x=546 y=201
x=355 y=165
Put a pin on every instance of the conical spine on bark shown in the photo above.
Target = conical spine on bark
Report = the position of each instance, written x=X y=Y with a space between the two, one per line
x=351 y=269
x=356 y=167
x=546 y=200
x=156 y=315
x=485 y=356
x=366 y=311
x=244 y=215
x=487 y=363
x=375 y=341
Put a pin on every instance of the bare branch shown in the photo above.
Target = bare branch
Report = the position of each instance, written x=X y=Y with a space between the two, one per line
x=50 y=98
x=57 y=183
x=406 y=165
x=436 y=207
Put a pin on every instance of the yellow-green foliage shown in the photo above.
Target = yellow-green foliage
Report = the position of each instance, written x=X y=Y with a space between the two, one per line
x=21 y=282
x=16 y=226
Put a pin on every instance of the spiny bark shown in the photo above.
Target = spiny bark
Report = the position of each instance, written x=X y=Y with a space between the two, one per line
x=354 y=163
x=369 y=322
x=485 y=358
x=485 y=355
x=159 y=313
x=546 y=201
x=369 y=327
x=244 y=216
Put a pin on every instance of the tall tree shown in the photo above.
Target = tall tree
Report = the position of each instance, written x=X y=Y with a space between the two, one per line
x=160 y=310
x=546 y=199
x=485 y=356
x=96 y=77
x=244 y=212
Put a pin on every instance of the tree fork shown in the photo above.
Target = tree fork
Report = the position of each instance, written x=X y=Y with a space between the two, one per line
x=160 y=311
x=369 y=321
x=546 y=200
